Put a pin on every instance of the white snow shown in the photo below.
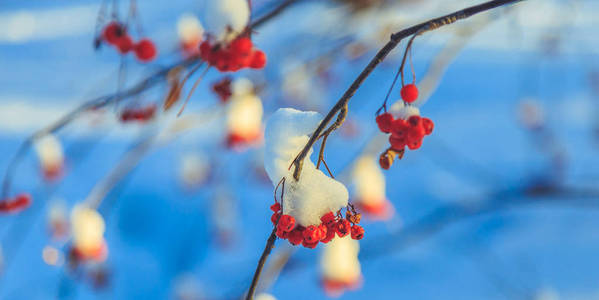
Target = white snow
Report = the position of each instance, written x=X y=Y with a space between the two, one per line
x=189 y=28
x=49 y=152
x=225 y=19
x=339 y=260
x=88 y=228
x=369 y=181
x=314 y=194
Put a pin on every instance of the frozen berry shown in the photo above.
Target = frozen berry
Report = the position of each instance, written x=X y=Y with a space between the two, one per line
x=385 y=122
x=258 y=60
x=343 y=227
x=145 y=50
x=330 y=234
x=409 y=93
x=357 y=232
x=286 y=223
x=282 y=233
x=413 y=145
x=397 y=142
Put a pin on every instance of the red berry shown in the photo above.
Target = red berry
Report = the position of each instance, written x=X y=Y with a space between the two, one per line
x=275 y=207
x=330 y=234
x=145 y=50
x=328 y=218
x=296 y=236
x=124 y=44
x=206 y=51
x=343 y=227
x=275 y=218
x=242 y=46
x=385 y=122
x=311 y=234
x=112 y=32
x=397 y=142
x=19 y=203
x=286 y=223
x=428 y=125
x=309 y=245
x=413 y=145
x=258 y=60
x=282 y=233
x=409 y=93
x=414 y=121
x=357 y=232
x=399 y=127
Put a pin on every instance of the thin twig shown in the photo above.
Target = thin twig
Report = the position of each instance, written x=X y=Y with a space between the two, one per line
x=379 y=57
x=270 y=243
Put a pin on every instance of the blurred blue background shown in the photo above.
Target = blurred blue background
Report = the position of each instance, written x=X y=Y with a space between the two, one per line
x=163 y=238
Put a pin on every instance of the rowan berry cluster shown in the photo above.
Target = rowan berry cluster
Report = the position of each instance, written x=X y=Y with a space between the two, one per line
x=408 y=129
x=331 y=225
x=15 y=204
x=232 y=57
x=141 y=114
x=115 y=34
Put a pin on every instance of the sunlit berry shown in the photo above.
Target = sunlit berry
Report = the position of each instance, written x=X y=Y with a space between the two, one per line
x=343 y=227
x=409 y=93
x=286 y=223
x=357 y=232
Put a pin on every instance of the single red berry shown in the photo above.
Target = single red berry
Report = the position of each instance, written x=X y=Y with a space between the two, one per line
x=397 y=142
x=286 y=223
x=275 y=207
x=258 y=60
x=309 y=245
x=282 y=233
x=415 y=144
x=17 y=204
x=311 y=234
x=385 y=122
x=296 y=236
x=330 y=234
x=145 y=50
x=328 y=218
x=275 y=218
x=399 y=127
x=242 y=46
x=357 y=232
x=322 y=231
x=428 y=125
x=206 y=51
x=124 y=44
x=112 y=32
x=409 y=93
x=223 y=89
x=343 y=227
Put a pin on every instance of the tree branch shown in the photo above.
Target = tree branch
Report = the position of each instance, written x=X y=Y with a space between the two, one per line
x=379 y=57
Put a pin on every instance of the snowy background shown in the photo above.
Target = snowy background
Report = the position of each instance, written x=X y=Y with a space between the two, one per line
x=162 y=237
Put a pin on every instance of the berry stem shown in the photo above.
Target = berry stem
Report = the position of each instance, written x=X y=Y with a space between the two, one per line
x=270 y=243
x=379 y=57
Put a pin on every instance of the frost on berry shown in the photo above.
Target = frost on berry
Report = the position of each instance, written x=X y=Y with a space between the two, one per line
x=51 y=156
x=340 y=267
x=226 y=19
x=88 y=233
x=315 y=194
x=244 y=115
x=369 y=183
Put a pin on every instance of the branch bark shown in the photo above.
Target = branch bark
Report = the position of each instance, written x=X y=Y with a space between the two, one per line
x=379 y=57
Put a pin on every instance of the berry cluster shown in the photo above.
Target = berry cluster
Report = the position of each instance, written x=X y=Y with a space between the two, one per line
x=142 y=114
x=310 y=236
x=408 y=132
x=115 y=34
x=238 y=54
x=222 y=88
x=16 y=204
